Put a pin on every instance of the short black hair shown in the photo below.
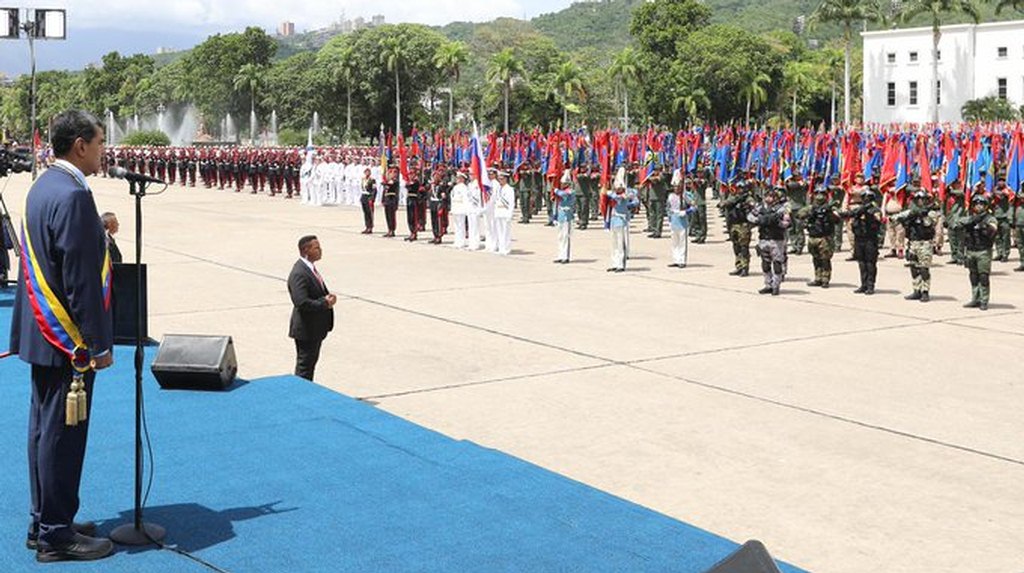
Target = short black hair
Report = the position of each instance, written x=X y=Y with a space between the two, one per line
x=305 y=241
x=69 y=126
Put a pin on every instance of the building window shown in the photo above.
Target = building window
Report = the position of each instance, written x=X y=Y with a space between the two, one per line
x=1001 y=90
x=913 y=93
x=890 y=58
x=938 y=92
x=1001 y=52
x=913 y=57
x=890 y=94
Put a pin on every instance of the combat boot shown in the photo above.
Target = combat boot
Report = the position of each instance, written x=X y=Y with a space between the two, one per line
x=973 y=304
x=765 y=290
x=916 y=295
x=924 y=296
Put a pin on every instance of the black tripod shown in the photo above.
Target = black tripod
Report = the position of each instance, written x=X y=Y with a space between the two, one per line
x=138 y=532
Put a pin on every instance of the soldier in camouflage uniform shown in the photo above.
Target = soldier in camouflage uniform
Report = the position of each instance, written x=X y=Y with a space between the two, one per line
x=954 y=210
x=736 y=206
x=920 y=221
x=1018 y=226
x=820 y=218
x=699 y=187
x=796 y=193
x=526 y=176
x=658 y=196
x=837 y=195
x=588 y=194
x=772 y=218
x=1002 y=207
x=979 y=229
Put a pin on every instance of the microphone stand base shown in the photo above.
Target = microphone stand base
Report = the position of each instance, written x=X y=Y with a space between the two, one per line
x=127 y=534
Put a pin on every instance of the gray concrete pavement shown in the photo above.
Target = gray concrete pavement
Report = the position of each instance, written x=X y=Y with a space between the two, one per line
x=849 y=433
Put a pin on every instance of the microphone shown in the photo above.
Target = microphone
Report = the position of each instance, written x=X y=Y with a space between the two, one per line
x=122 y=173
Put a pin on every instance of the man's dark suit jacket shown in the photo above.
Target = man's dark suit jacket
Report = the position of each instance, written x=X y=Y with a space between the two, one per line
x=311 y=319
x=115 y=253
x=69 y=241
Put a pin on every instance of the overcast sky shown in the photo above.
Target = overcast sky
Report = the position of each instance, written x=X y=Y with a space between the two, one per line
x=307 y=14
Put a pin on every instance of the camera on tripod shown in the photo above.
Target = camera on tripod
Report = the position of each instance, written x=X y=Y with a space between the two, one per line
x=15 y=161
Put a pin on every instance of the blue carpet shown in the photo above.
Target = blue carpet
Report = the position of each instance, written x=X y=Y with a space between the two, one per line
x=280 y=474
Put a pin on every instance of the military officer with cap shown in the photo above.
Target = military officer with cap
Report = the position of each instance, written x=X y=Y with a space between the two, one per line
x=979 y=229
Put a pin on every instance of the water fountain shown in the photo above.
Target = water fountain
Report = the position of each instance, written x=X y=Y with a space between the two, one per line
x=230 y=132
x=273 y=128
x=315 y=127
x=135 y=123
x=252 y=127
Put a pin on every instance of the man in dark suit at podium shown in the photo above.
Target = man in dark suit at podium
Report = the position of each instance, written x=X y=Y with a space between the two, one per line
x=313 y=312
x=61 y=326
x=111 y=226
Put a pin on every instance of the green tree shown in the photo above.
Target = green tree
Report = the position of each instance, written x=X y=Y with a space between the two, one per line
x=566 y=83
x=392 y=53
x=625 y=73
x=1017 y=5
x=249 y=77
x=450 y=58
x=661 y=26
x=296 y=87
x=754 y=90
x=988 y=109
x=848 y=13
x=936 y=10
x=505 y=68
x=691 y=103
x=799 y=78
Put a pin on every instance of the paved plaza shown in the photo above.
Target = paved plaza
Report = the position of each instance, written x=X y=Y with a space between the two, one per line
x=849 y=433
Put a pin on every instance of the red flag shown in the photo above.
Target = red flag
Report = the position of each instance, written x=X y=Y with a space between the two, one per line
x=403 y=161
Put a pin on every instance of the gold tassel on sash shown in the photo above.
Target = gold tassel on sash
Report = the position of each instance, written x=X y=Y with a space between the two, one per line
x=76 y=406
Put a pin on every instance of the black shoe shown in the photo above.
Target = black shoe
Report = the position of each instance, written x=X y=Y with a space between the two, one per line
x=1019 y=269
x=558 y=261
x=87 y=528
x=765 y=290
x=672 y=265
x=851 y=258
x=983 y=306
x=619 y=270
x=775 y=291
x=736 y=273
x=565 y=261
x=861 y=290
x=924 y=296
x=814 y=283
x=869 y=290
x=610 y=270
x=824 y=285
x=744 y=273
x=81 y=548
x=972 y=304
x=916 y=295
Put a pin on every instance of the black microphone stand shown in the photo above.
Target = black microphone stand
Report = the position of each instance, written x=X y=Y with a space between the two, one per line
x=138 y=532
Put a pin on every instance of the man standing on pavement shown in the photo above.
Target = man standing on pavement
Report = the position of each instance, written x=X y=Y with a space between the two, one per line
x=313 y=307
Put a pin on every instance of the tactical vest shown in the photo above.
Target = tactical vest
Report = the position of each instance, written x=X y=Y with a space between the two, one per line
x=866 y=227
x=917 y=230
x=737 y=212
x=978 y=237
x=773 y=231
x=820 y=223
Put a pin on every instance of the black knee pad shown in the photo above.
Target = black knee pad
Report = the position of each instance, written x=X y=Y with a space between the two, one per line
x=766 y=266
x=974 y=276
x=983 y=279
x=914 y=272
x=826 y=265
x=777 y=267
x=926 y=274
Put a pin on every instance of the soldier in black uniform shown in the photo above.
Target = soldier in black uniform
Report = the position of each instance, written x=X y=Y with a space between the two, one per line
x=440 y=191
x=867 y=224
x=367 y=197
x=412 y=203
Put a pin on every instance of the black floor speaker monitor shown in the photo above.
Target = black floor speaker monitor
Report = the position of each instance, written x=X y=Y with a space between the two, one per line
x=751 y=558
x=195 y=362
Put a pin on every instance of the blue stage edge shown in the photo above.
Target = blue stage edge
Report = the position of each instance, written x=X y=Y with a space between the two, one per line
x=280 y=474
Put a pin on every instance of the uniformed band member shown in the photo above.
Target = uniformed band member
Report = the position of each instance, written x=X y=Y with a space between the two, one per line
x=772 y=218
x=412 y=203
x=565 y=210
x=460 y=209
x=980 y=229
x=867 y=222
x=63 y=289
x=623 y=202
x=919 y=222
x=504 y=206
x=391 y=189
x=366 y=200
x=440 y=191
x=820 y=218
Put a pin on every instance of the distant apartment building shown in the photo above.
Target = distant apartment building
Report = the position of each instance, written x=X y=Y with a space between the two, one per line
x=347 y=26
x=974 y=61
x=286 y=29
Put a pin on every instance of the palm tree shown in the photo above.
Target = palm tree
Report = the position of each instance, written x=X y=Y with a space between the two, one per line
x=624 y=71
x=935 y=10
x=798 y=77
x=392 y=50
x=250 y=76
x=848 y=13
x=1017 y=5
x=754 y=91
x=344 y=72
x=692 y=102
x=566 y=82
x=450 y=58
x=505 y=67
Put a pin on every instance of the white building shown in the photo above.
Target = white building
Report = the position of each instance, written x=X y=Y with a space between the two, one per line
x=974 y=61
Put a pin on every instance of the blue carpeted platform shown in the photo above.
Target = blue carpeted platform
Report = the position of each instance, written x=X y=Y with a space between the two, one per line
x=279 y=474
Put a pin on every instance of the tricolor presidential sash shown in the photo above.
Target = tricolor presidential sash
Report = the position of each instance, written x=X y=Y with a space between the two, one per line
x=56 y=325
